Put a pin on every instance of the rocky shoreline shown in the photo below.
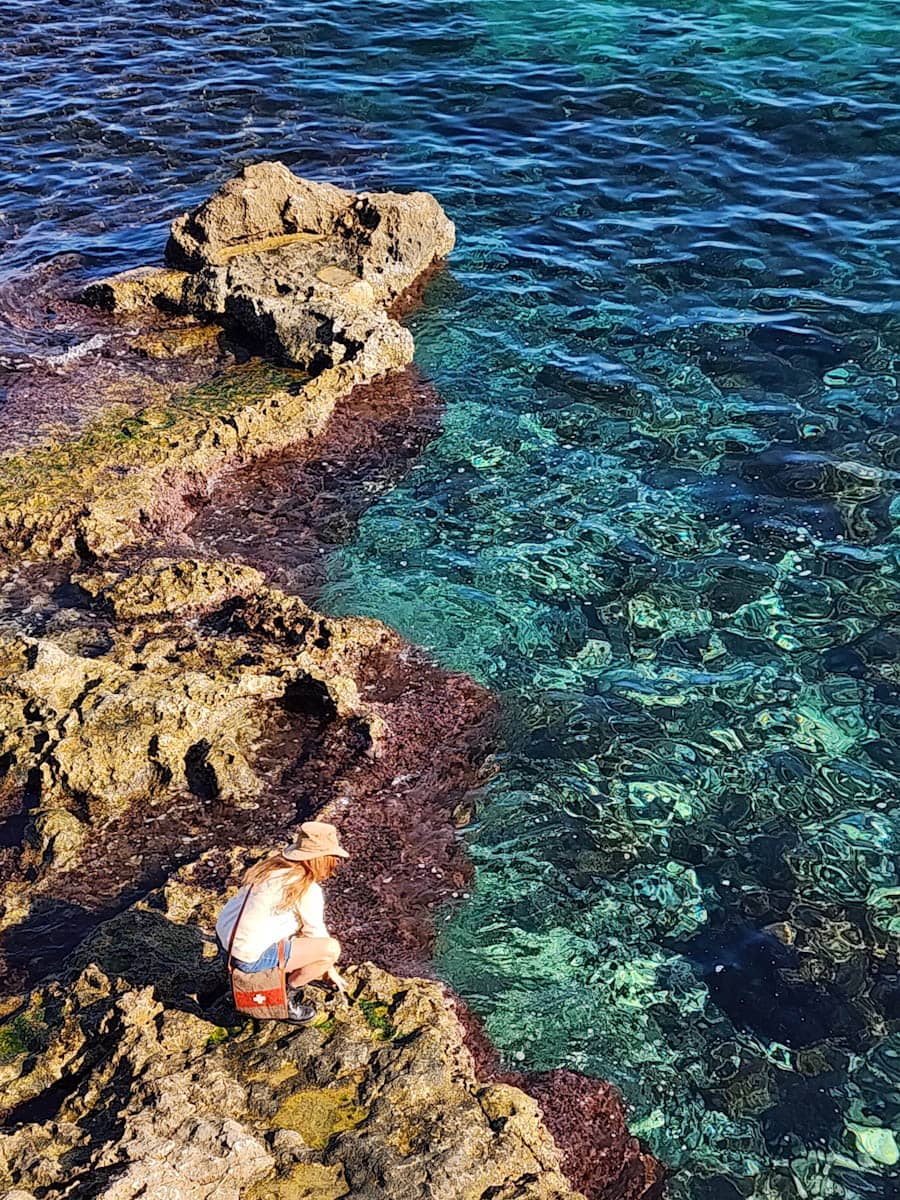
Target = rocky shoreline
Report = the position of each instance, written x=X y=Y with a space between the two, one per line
x=171 y=705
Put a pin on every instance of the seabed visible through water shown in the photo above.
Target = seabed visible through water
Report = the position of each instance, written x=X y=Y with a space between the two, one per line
x=661 y=519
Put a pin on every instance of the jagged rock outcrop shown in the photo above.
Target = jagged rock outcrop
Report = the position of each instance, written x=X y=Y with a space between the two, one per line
x=187 y=704
x=301 y=271
x=183 y=711
x=172 y=707
x=296 y=271
x=384 y=238
x=138 y=289
x=103 y=1083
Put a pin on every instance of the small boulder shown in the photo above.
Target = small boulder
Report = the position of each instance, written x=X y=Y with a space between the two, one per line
x=267 y=213
x=137 y=290
x=263 y=201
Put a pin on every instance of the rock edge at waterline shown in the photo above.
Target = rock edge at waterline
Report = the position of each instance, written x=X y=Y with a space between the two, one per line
x=299 y=272
x=156 y=712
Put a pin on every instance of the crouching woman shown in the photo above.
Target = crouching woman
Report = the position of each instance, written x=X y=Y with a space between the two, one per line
x=281 y=901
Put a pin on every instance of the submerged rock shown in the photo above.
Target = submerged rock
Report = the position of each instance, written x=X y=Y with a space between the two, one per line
x=134 y=473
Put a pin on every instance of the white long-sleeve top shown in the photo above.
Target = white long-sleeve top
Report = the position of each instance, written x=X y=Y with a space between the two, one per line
x=264 y=922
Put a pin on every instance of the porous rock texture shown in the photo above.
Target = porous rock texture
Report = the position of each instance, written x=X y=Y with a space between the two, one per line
x=302 y=271
x=100 y=732
x=378 y=1098
x=114 y=1081
x=299 y=272
x=384 y=238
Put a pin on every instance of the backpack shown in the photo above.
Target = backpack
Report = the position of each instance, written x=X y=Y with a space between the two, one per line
x=260 y=994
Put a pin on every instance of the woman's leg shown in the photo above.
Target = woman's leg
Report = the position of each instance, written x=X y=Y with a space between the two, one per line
x=311 y=958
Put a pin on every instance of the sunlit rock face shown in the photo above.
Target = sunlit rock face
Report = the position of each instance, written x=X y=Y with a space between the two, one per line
x=299 y=272
x=303 y=271
x=383 y=238
x=373 y=1099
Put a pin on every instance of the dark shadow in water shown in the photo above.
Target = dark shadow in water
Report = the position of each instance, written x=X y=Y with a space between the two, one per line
x=747 y=973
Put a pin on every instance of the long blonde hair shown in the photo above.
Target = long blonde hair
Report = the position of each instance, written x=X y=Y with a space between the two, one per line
x=302 y=874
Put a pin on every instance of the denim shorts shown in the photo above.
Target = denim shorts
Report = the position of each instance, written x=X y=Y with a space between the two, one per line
x=267 y=960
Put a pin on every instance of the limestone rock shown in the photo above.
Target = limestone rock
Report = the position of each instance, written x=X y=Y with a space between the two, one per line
x=108 y=731
x=133 y=473
x=165 y=586
x=135 y=290
x=378 y=1100
x=262 y=201
x=300 y=272
x=55 y=836
x=321 y=333
x=299 y=269
x=120 y=736
x=179 y=341
x=386 y=239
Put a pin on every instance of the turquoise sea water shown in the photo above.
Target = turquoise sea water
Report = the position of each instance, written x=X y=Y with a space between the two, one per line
x=662 y=518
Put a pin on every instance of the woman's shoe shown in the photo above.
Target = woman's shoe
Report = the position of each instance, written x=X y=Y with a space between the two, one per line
x=300 y=1013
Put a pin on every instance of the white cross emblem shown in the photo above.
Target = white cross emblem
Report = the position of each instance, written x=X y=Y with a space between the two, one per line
x=259 y=998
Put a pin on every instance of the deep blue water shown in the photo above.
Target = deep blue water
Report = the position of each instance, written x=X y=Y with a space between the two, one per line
x=661 y=521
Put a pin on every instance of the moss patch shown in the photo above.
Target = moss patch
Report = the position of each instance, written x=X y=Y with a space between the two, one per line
x=42 y=491
x=27 y=1031
x=377 y=1018
x=307 y=1181
x=317 y=1114
x=274 y=1077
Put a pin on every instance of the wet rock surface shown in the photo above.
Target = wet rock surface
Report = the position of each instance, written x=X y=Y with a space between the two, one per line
x=171 y=707
x=286 y=511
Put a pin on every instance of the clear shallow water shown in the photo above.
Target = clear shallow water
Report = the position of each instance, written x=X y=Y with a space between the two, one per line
x=661 y=520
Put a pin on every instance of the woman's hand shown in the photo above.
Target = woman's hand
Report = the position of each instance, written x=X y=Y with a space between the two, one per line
x=338 y=980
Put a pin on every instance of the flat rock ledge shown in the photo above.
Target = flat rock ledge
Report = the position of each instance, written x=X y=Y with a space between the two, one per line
x=378 y=1098
x=297 y=275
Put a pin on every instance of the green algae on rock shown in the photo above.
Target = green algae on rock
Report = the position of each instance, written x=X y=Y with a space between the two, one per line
x=130 y=472
x=299 y=271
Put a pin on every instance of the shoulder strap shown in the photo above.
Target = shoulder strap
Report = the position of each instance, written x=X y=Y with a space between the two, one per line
x=237 y=922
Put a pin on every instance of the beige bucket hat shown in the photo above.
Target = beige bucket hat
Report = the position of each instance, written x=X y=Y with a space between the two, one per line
x=316 y=839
